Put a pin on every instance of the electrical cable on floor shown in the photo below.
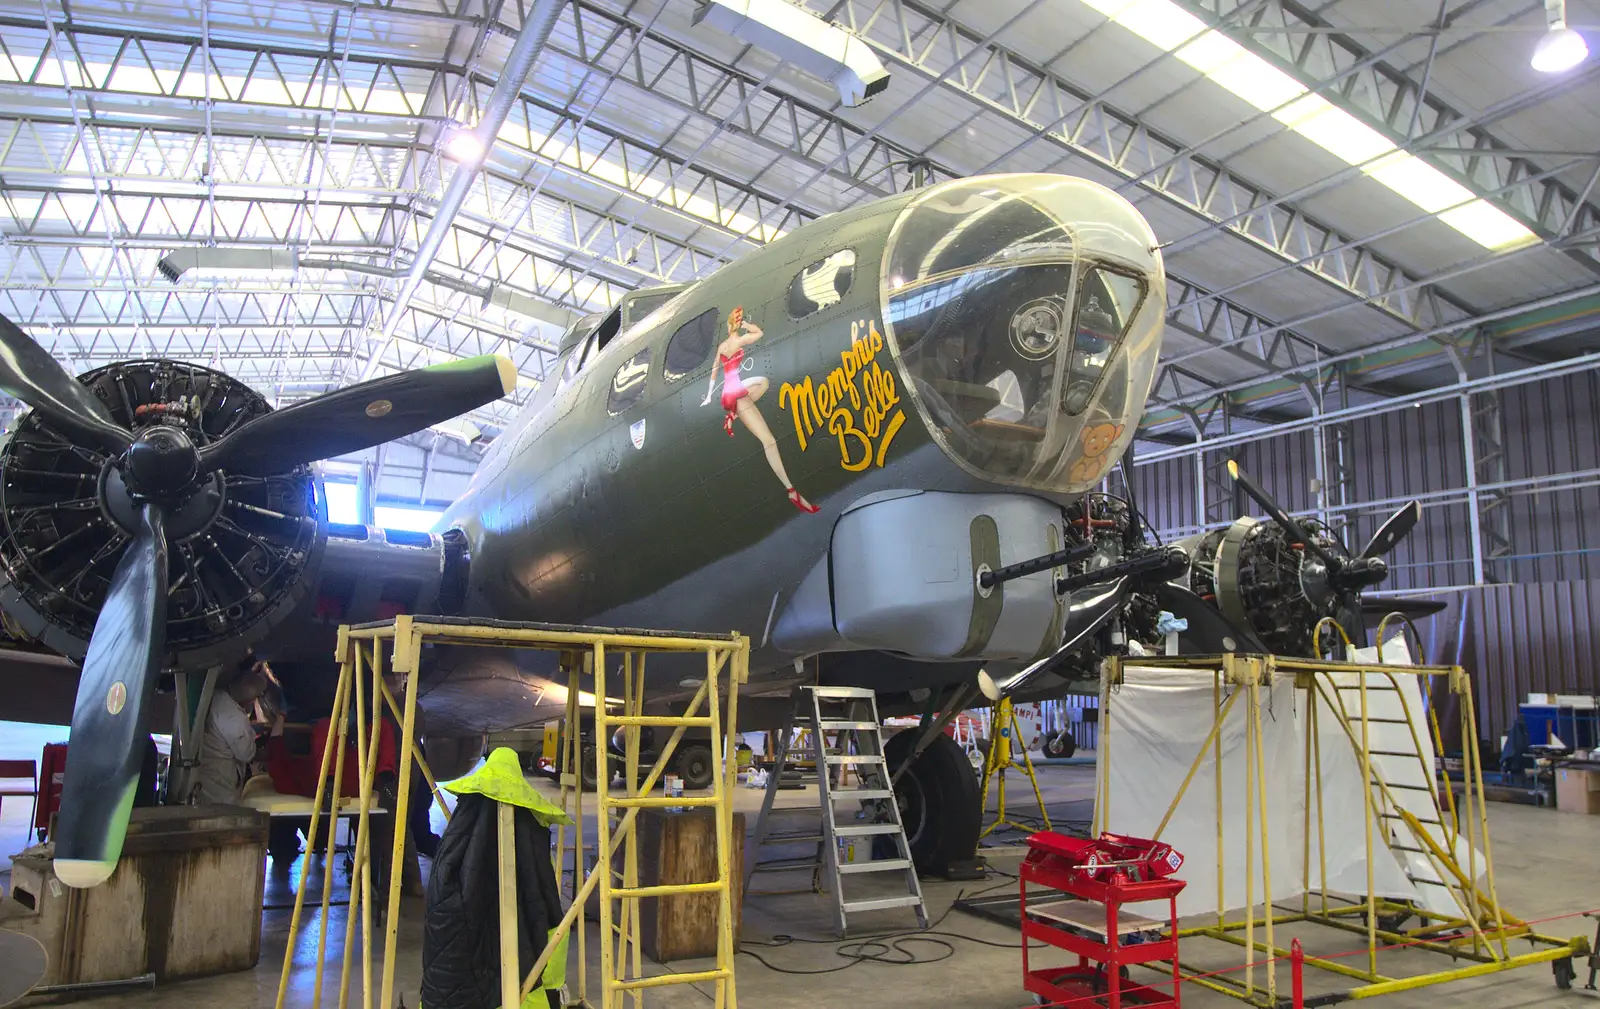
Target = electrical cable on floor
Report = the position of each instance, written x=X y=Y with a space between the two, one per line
x=882 y=947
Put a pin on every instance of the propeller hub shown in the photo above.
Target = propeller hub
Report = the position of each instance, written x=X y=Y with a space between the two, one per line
x=161 y=463
x=1363 y=572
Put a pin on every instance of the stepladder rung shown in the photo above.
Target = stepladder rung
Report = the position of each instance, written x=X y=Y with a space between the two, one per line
x=1395 y=753
x=856 y=758
x=862 y=794
x=853 y=692
x=1397 y=816
x=880 y=903
x=835 y=724
x=880 y=865
x=867 y=829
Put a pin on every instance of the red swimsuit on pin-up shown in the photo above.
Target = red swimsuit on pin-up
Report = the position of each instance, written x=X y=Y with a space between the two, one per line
x=733 y=389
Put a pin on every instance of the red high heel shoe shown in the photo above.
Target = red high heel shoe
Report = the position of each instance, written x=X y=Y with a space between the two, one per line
x=727 y=423
x=801 y=503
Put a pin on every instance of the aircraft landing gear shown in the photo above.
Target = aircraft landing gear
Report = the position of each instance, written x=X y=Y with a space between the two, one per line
x=938 y=800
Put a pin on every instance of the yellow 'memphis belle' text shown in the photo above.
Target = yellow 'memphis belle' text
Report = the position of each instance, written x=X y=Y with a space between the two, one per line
x=857 y=402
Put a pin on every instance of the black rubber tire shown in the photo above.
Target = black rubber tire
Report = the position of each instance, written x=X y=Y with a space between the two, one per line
x=1052 y=745
x=1564 y=972
x=1066 y=746
x=938 y=800
x=693 y=765
x=586 y=769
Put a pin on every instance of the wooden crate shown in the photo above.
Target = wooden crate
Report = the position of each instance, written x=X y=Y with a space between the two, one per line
x=185 y=900
x=681 y=848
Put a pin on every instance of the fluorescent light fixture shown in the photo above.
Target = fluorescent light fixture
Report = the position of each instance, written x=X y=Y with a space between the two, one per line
x=464 y=146
x=801 y=38
x=462 y=429
x=1248 y=76
x=1560 y=48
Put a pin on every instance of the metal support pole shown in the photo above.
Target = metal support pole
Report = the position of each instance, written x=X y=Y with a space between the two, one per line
x=506 y=850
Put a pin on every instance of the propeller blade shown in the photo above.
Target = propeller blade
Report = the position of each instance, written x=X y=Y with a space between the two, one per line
x=1136 y=527
x=1407 y=605
x=1209 y=631
x=1088 y=613
x=108 y=722
x=360 y=416
x=29 y=373
x=1352 y=619
x=1276 y=512
x=1393 y=530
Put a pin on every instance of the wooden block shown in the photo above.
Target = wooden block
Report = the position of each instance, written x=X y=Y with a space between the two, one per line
x=184 y=901
x=681 y=848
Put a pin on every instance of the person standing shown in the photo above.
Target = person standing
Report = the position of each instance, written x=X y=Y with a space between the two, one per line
x=230 y=740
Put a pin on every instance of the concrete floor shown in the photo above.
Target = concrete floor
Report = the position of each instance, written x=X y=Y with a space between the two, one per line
x=1545 y=866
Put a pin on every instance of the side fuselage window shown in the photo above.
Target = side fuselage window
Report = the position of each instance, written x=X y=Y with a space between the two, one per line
x=822 y=285
x=691 y=345
x=627 y=385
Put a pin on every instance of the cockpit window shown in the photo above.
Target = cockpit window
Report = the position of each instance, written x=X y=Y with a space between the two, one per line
x=821 y=285
x=1010 y=335
x=576 y=360
x=627 y=385
x=643 y=304
x=1107 y=302
x=609 y=328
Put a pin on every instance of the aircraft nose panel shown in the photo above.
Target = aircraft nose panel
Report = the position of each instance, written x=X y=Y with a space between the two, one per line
x=1025 y=313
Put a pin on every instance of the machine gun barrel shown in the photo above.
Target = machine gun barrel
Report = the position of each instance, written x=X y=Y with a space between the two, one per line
x=1162 y=564
x=989 y=579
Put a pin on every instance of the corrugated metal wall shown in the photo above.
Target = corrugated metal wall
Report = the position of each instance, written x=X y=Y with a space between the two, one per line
x=1539 y=630
x=1534 y=637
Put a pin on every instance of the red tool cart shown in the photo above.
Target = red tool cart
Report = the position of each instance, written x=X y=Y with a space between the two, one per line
x=1103 y=874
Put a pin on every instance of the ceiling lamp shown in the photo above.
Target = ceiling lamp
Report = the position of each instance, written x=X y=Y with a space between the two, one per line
x=1560 y=48
x=464 y=146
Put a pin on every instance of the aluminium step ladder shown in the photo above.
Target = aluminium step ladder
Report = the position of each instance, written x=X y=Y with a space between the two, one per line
x=846 y=741
x=1415 y=825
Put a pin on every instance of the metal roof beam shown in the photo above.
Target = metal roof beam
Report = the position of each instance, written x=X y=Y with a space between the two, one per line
x=1087 y=128
x=1387 y=98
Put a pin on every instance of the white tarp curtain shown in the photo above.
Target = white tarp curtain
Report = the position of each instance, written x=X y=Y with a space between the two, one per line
x=1155 y=724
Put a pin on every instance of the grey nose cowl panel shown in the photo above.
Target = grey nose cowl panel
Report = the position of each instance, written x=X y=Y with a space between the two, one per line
x=902 y=576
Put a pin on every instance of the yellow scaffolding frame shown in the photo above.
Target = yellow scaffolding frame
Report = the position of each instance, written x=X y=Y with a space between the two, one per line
x=1479 y=932
x=360 y=687
x=360 y=653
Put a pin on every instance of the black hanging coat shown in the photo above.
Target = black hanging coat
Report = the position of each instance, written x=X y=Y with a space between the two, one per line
x=461 y=938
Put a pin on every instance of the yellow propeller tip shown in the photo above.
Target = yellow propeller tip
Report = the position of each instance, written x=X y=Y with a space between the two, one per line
x=82 y=873
x=1233 y=469
x=508 y=374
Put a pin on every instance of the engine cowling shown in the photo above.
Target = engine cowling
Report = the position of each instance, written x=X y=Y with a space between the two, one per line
x=1259 y=578
x=244 y=551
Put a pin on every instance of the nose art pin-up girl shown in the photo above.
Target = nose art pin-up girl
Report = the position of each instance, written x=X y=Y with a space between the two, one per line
x=739 y=398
